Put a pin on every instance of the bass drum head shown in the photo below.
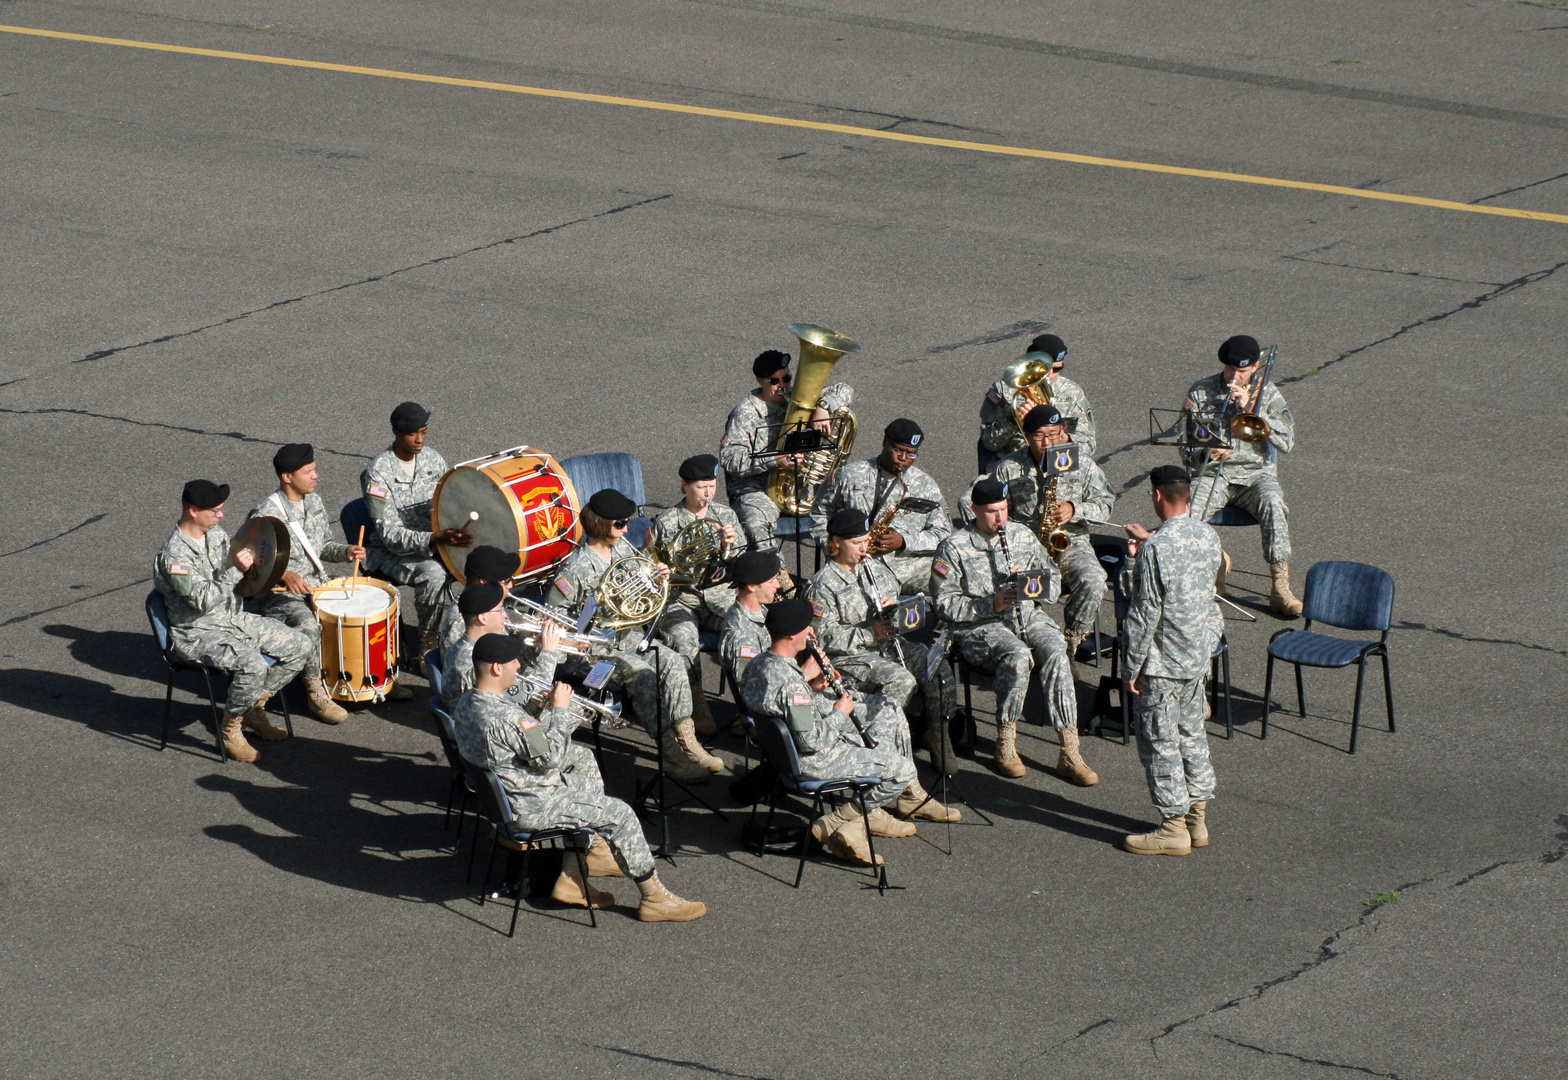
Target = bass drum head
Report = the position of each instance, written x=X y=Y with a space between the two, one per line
x=462 y=492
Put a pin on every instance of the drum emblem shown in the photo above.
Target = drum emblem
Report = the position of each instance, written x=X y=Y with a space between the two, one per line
x=548 y=518
x=378 y=635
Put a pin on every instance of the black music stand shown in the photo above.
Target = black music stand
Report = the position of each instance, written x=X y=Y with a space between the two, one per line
x=801 y=438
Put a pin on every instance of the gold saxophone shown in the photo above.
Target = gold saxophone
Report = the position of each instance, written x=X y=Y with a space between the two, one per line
x=820 y=349
x=884 y=519
x=1052 y=537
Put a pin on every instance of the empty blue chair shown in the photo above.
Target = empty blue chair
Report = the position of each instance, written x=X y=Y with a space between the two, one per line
x=592 y=473
x=1350 y=596
x=507 y=833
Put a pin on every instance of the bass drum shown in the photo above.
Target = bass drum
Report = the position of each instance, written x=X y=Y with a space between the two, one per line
x=517 y=500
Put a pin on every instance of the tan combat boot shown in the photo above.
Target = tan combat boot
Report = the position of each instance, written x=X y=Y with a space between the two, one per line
x=321 y=703
x=397 y=692
x=916 y=804
x=234 y=741
x=1281 y=600
x=601 y=861
x=701 y=715
x=1171 y=838
x=1198 y=824
x=686 y=737
x=1219 y=579
x=571 y=889
x=842 y=835
x=661 y=905
x=1073 y=641
x=881 y=823
x=1070 y=765
x=256 y=720
x=678 y=764
x=1008 y=763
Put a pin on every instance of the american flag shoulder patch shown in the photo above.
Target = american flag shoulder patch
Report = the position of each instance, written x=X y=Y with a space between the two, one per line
x=563 y=586
x=941 y=567
x=800 y=699
x=748 y=652
x=993 y=397
x=816 y=609
x=375 y=491
x=529 y=723
x=1189 y=404
x=179 y=568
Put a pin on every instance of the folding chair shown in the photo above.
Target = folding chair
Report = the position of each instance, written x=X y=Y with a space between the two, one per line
x=446 y=729
x=1350 y=596
x=592 y=473
x=497 y=808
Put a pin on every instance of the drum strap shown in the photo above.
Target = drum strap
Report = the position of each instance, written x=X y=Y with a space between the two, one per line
x=298 y=529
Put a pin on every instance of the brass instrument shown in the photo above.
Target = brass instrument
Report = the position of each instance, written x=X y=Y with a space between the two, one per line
x=1249 y=425
x=1052 y=537
x=884 y=520
x=631 y=593
x=820 y=349
x=584 y=708
x=1030 y=376
x=697 y=545
x=526 y=618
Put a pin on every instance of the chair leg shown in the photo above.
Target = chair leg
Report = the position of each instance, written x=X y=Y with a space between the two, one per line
x=871 y=841
x=767 y=825
x=522 y=883
x=1355 y=712
x=1268 y=693
x=472 y=849
x=217 y=718
x=805 y=838
x=288 y=720
x=451 y=793
x=582 y=868
x=1230 y=723
x=1213 y=693
x=1301 y=695
x=1388 y=691
x=484 y=884
x=168 y=712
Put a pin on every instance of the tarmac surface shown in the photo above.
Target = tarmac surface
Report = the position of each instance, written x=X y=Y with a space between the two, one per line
x=204 y=258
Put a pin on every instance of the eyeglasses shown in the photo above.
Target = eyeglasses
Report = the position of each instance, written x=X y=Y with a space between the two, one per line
x=780 y=380
x=621 y=523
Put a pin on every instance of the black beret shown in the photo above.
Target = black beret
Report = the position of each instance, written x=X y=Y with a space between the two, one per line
x=1240 y=351
x=754 y=567
x=1041 y=416
x=1169 y=474
x=204 y=494
x=410 y=416
x=480 y=597
x=612 y=505
x=701 y=467
x=768 y=362
x=487 y=563
x=988 y=491
x=904 y=432
x=789 y=617
x=497 y=649
x=1049 y=343
x=848 y=522
x=296 y=455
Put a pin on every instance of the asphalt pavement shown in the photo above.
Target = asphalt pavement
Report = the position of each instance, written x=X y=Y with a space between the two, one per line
x=203 y=257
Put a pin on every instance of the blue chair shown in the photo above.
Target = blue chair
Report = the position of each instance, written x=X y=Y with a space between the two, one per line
x=507 y=833
x=1350 y=596
x=446 y=730
x=797 y=531
x=778 y=747
x=158 y=616
x=592 y=473
x=433 y=672
x=353 y=517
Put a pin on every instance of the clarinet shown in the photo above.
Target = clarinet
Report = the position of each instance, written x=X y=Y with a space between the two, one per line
x=1007 y=556
x=837 y=683
x=875 y=596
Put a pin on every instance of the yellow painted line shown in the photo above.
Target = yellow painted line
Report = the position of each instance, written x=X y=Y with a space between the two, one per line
x=813 y=125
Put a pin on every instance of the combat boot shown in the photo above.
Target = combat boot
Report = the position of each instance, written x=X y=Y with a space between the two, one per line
x=686 y=737
x=881 y=823
x=1070 y=765
x=916 y=804
x=428 y=639
x=321 y=703
x=1008 y=763
x=1198 y=824
x=1171 y=838
x=661 y=905
x=678 y=765
x=257 y=720
x=1281 y=600
x=701 y=714
x=601 y=861
x=1074 y=640
x=234 y=742
x=830 y=831
x=572 y=890
x=397 y=692
x=1219 y=579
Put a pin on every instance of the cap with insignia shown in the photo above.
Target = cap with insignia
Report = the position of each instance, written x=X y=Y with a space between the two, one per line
x=988 y=491
x=1041 y=416
x=701 y=467
x=480 y=597
x=487 y=563
x=497 y=649
x=1169 y=474
x=409 y=416
x=786 y=618
x=848 y=522
x=293 y=457
x=904 y=432
x=769 y=361
x=754 y=567
x=612 y=505
x=1240 y=351
x=1051 y=344
x=204 y=494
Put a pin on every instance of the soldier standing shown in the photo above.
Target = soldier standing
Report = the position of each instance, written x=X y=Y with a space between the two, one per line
x=208 y=625
x=999 y=434
x=745 y=633
x=1172 y=625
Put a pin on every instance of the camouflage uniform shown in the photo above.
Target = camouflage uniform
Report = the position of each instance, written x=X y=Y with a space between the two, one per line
x=1090 y=493
x=846 y=610
x=207 y=624
x=1249 y=480
x=308 y=517
x=999 y=431
x=1173 y=624
x=692 y=609
x=655 y=681
x=549 y=779
x=743 y=639
x=966 y=574
x=753 y=427
x=867 y=487
x=399 y=545
x=457 y=669
x=827 y=741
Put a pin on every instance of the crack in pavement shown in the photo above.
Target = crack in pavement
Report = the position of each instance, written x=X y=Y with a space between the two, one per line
x=71 y=603
x=990 y=337
x=1457 y=636
x=1054 y=1046
x=238 y=436
x=695 y=1066
x=1521 y=187
x=1468 y=878
x=56 y=536
x=103 y=353
x=1382 y=270
x=1307 y=1060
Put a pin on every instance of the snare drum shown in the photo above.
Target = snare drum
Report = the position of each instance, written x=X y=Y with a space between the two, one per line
x=525 y=503
x=358 y=619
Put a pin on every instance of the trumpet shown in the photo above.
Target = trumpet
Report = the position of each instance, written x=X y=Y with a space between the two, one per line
x=527 y=619
x=584 y=708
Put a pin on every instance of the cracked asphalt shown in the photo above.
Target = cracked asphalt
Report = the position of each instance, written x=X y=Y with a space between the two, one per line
x=202 y=259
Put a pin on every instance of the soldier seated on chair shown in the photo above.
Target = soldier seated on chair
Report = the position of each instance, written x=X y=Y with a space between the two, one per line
x=484 y=563
x=755 y=575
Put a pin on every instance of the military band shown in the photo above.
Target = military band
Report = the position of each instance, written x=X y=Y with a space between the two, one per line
x=1005 y=405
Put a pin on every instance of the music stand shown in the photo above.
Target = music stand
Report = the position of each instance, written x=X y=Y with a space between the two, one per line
x=800 y=439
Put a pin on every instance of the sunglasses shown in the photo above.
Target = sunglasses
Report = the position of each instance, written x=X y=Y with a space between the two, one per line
x=779 y=380
x=621 y=523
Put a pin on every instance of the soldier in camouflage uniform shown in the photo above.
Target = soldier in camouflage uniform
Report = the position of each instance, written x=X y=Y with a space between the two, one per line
x=998 y=631
x=999 y=434
x=552 y=781
x=1083 y=492
x=692 y=610
x=849 y=596
x=482 y=613
x=1173 y=624
x=908 y=542
x=655 y=680
x=207 y=624
x=398 y=486
x=484 y=563
x=297 y=505
x=753 y=426
x=1244 y=474
x=744 y=637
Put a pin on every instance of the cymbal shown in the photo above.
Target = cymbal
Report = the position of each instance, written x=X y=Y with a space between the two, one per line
x=268 y=539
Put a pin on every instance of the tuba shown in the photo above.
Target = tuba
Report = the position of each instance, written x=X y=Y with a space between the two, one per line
x=694 y=547
x=1029 y=376
x=631 y=593
x=820 y=349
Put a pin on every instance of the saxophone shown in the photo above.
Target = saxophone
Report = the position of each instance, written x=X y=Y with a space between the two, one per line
x=1052 y=537
x=820 y=349
x=885 y=516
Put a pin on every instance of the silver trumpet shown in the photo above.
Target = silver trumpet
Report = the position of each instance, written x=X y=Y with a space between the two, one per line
x=537 y=693
x=527 y=618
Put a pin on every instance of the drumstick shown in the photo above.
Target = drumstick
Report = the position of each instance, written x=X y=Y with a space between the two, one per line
x=358 y=543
